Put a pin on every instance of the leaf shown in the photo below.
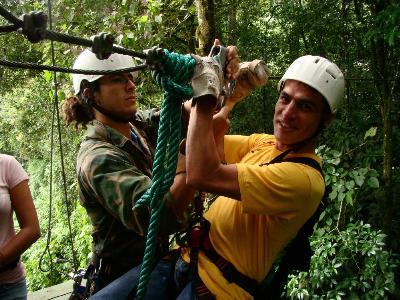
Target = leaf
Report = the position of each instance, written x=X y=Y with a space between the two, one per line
x=350 y=184
x=333 y=194
x=47 y=75
x=349 y=198
x=341 y=196
x=143 y=19
x=363 y=171
x=158 y=19
x=373 y=173
x=370 y=132
x=373 y=182
x=336 y=153
x=322 y=215
x=359 y=180
x=51 y=95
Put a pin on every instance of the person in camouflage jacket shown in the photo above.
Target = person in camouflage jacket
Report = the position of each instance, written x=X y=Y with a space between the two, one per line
x=114 y=166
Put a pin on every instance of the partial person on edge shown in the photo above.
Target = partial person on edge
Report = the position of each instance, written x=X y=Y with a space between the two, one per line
x=15 y=197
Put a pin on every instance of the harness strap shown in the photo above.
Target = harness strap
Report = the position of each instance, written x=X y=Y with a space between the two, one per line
x=228 y=270
x=197 y=236
x=200 y=240
x=306 y=161
x=202 y=291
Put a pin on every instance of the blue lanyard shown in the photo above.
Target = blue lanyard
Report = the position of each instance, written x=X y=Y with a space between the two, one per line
x=135 y=139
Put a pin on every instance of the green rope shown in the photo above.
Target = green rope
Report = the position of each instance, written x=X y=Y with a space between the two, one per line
x=178 y=70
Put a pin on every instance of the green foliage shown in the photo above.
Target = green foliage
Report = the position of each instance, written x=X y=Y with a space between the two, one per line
x=387 y=25
x=26 y=119
x=347 y=264
x=350 y=256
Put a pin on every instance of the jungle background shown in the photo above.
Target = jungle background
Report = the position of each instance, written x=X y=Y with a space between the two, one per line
x=356 y=241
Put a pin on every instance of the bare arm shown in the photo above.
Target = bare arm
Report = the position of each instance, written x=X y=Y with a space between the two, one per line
x=25 y=211
x=180 y=190
x=182 y=193
x=204 y=168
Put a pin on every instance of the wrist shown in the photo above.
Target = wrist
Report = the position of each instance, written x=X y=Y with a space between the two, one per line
x=205 y=101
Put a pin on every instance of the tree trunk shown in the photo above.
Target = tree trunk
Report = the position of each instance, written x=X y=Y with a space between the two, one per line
x=231 y=40
x=382 y=75
x=206 y=30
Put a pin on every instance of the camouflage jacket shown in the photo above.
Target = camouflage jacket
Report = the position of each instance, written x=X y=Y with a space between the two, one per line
x=113 y=173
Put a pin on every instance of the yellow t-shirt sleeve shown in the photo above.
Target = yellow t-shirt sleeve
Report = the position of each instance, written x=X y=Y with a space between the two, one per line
x=237 y=146
x=281 y=189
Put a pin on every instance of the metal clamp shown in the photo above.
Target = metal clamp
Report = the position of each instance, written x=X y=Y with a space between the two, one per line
x=102 y=45
x=34 y=26
x=219 y=53
x=154 y=58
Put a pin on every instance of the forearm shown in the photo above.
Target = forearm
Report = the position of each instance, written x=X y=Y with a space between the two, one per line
x=201 y=150
x=25 y=212
x=221 y=125
x=18 y=244
x=182 y=196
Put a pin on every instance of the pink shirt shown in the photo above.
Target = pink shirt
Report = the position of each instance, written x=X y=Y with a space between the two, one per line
x=11 y=174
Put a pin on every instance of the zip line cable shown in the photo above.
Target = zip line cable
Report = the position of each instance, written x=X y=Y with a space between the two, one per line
x=34 y=66
x=33 y=27
x=40 y=33
x=47 y=247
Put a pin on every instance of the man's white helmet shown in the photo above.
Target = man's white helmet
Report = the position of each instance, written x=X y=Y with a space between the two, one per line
x=87 y=60
x=319 y=73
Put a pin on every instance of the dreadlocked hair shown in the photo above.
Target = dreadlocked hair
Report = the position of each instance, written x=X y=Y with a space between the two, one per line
x=76 y=110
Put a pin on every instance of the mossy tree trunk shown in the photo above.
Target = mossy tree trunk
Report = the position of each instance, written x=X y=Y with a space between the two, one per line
x=206 y=31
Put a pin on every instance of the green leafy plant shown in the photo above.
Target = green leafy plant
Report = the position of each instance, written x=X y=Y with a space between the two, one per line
x=350 y=259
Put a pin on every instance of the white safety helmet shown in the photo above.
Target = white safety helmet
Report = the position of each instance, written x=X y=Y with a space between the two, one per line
x=87 y=60
x=319 y=73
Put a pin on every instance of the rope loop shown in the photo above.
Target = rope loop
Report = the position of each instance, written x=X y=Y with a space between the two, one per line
x=173 y=76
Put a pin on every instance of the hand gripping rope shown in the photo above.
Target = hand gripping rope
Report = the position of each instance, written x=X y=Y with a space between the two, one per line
x=171 y=71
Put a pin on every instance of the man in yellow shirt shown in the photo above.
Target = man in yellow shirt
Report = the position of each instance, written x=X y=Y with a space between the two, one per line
x=261 y=206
